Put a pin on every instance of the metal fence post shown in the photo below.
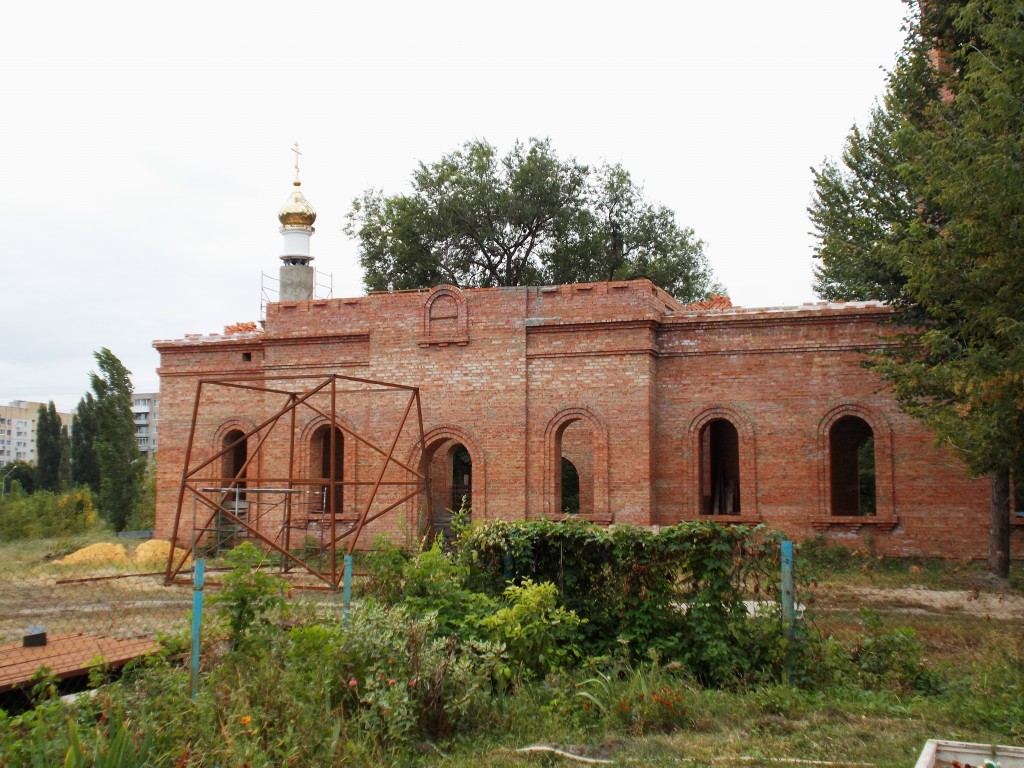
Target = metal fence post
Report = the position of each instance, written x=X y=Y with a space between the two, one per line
x=788 y=607
x=788 y=602
x=198 y=574
x=348 y=588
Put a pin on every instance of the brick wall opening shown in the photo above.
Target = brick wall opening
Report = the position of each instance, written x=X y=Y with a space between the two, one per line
x=321 y=457
x=576 y=449
x=719 y=468
x=233 y=468
x=449 y=465
x=852 y=467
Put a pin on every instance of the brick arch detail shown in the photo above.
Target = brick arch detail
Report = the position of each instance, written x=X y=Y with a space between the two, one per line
x=553 y=461
x=445 y=432
x=242 y=425
x=748 y=455
x=885 y=508
x=435 y=332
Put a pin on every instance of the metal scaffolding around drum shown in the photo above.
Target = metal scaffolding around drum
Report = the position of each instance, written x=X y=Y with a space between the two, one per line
x=271 y=495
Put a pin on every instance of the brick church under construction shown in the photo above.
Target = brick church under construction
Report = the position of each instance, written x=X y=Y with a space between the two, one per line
x=609 y=402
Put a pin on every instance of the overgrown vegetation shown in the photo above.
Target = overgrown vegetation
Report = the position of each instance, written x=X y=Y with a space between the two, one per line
x=489 y=647
x=45 y=514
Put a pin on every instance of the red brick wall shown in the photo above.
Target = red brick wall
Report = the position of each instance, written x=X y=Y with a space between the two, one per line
x=622 y=372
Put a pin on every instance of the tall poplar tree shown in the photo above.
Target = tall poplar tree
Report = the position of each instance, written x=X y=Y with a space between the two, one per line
x=120 y=463
x=52 y=450
x=85 y=468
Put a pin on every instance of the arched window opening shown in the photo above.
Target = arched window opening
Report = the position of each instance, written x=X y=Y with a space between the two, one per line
x=570 y=488
x=852 y=467
x=462 y=479
x=233 y=468
x=450 y=467
x=575 y=480
x=719 y=468
x=331 y=497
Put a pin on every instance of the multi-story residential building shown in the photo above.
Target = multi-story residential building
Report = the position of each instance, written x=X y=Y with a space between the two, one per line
x=146 y=411
x=18 y=430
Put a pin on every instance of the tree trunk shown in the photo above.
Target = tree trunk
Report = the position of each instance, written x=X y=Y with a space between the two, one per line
x=999 y=525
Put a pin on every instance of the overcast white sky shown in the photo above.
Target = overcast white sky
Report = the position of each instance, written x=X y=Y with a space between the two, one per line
x=145 y=146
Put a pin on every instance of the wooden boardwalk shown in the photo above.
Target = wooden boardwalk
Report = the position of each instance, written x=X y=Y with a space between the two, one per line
x=66 y=656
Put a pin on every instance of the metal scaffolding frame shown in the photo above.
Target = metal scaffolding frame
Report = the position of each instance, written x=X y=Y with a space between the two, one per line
x=219 y=497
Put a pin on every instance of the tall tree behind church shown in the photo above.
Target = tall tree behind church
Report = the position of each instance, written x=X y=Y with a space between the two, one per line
x=927 y=214
x=85 y=468
x=52 y=450
x=120 y=464
x=476 y=218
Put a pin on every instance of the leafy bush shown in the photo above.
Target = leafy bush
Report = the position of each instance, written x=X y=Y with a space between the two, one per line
x=385 y=564
x=47 y=514
x=890 y=658
x=679 y=591
x=538 y=634
x=249 y=594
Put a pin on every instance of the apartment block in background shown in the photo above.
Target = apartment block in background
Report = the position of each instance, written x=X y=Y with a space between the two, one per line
x=18 y=430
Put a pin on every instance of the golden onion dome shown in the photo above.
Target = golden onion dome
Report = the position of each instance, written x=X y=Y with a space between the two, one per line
x=297 y=212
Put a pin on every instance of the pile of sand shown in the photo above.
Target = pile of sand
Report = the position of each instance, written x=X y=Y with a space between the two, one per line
x=97 y=554
x=155 y=552
x=149 y=553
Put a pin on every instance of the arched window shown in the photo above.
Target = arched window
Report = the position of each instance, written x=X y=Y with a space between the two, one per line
x=719 y=468
x=852 y=467
x=327 y=457
x=233 y=467
x=724 y=463
x=576 y=465
x=450 y=468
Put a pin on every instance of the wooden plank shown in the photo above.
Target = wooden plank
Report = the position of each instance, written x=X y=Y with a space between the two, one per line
x=66 y=656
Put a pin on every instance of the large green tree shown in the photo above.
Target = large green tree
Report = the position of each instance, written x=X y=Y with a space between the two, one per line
x=53 y=450
x=85 y=468
x=476 y=218
x=120 y=463
x=953 y=159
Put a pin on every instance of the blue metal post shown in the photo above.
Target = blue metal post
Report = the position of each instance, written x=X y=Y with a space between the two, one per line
x=348 y=587
x=198 y=575
x=788 y=601
x=788 y=607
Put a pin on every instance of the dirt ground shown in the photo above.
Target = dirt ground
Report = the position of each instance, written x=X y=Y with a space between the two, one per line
x=1000 y=605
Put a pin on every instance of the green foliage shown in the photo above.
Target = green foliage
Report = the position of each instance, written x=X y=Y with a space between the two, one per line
x=478 y=219
x=53 y=449
x=538 y=634
x=385 y=564
x=679 y=591
x=249 y=594
x=890 y=658
x=115 y=748
x=120 y=464
x=927 y=216
x=46 y=514
x=85 y=468
x=18 y=474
